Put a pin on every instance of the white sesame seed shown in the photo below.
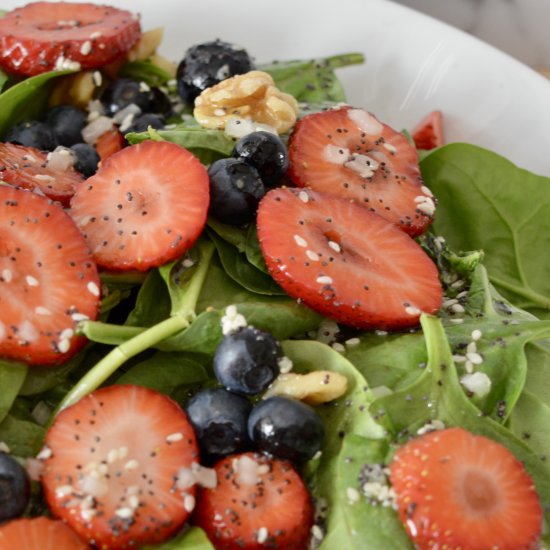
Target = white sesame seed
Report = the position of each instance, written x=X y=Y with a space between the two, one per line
x=41 y=310
x=66 y=333
x=132 y=490
x=262 y=535
x=93 y=288
x=450 y=302
x=64 y=345
x=475 y=358
x=457 y=284
x=172 y=438
x=87 y=503
x=133 y=501
x=188 y=262
x=88 y=514
x=285 y=364
x=103 y=469
x=478 y=383
x=335 y=246
x=427 y=206
x=125 y=512
x=122 y=452
x=457 y=308
x=300 y=241
x=95 y=35
x=317 y=532
x=456 y=321
x=469 y=367
x=426 y=191
x=86 y=47
x=312 y=255
x=324 y=280
x=471 y=347
x=44 y=177
x=338 y=347
x=44 y=454
x=381 y=332
x=112 y=456
x=31 y=281
x=79 y=317
x=7 y=275
x=411 y=310
x=189 y=503
x=459 y=358
x=131 y=464
x=476 y=334
x=353 y=494
x=391 y=148
x=352 y=342
x=97 y=78
x=303 y=196
x=144 y=87
x=63 y=491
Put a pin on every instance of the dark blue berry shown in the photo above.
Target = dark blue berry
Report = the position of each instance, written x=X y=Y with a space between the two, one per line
x=161 y=103
x=266 y=152
x=32 y=133
x=87 y=159
x=15 y=488
x=246 y=361
x=235 y=191
x=205 y=65
x=66 y=122
x=123 y=92
x=142 y=122
x=219 y=418
x=286 y=428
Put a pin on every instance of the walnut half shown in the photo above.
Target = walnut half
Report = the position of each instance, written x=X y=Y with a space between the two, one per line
x=252 y=96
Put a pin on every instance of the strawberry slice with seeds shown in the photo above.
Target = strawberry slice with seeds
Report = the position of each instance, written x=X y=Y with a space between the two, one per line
x=43 y=36
x=259 y=502
x=145 y=206
x=109 y=143
x=30 y=168
x=458 y=490
x=112 y=466
x=428 y=133
x=345 y=262
x=349 y=153
x=48 y=280
x=40 y=532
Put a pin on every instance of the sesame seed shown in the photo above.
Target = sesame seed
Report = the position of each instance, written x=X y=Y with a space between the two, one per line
x=312 y=255
x=303 y=196
x=411 y=310
x=133 y=501
x=324 y=280
x=317 y=532
x=471 y=347
x=79 y=317
x=469 y=367
x=124 y=513
x=459 y=358
x=122 y=452
x=457 y=321
x=450 y=302
x=31 y=281
x=457 y=308
x=335 y=246
x=87 y=503
x=44 y=454
x=285 y=364
x=188 y=262
x=112 y=456
x=7 y=275
x=352 y=342
x=475 y=358
x=86 y=47
x=426 y=191
x=353 y=494
x=338 y=347
x=300 y=241
x=131 y=464
x=88 y=514
x=132 y=490
x=189 y=503
x=95 y=34
x=97 y=78
x=41 y=310
x=63 y=491
x=66 y=334
x=262 y=535
x=476 y=334
x=144 y=87
x=172 y=438
x=93 y=288
x=64 y=345
x=391 y=148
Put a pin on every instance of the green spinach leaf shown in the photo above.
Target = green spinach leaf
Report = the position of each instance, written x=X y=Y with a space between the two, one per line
x=12 y=377
x=193 y=539
x=23 y=437
x=145 y=71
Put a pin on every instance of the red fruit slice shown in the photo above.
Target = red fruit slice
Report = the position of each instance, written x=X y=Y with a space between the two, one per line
x=259 y=502
x=109 y=143
x=29 y=168
x=41 y=532
x=48 y=280
x=458 y=490
x=115 y=459
x=344 y=261
x=428 y=133
x=43 y=36
x=349 y=153
x=145 y=206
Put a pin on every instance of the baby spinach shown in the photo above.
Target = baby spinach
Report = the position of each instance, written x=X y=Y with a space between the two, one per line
x=192 y=539
x=12 y=377
x=488 y=203
x=23 y=437
x=145 y=71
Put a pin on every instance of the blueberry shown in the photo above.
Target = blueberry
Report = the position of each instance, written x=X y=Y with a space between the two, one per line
x=286 y=428
x=205 y=65
x=32 y=133
x=66 y=122
x=123 y=92
x=266 y=152
x=142 y=122
x=87 y=159
x=235 y=191
x=161 y=103
x=246 y=361
x=15 y=488
x=219 y=418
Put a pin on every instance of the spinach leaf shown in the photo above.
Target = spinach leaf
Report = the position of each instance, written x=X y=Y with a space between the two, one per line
x=26 y=99
x=312 y=80
x=23 y=437
x=193 y=539
x=229 y=233
x=145 y=71
x=252 y=249
x=12 y=377
x=41 y=379
x=485 y=202
x=152 y=303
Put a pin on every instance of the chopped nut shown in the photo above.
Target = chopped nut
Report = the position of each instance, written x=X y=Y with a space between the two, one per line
x=253 y=96
x=314 y=388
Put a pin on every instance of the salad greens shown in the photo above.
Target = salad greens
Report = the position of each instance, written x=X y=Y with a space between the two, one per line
x=160 y=330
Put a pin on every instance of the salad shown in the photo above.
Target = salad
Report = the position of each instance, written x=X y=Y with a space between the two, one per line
x=276 y=351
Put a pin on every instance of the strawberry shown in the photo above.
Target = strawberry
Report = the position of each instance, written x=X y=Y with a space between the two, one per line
x=29 y=168
x=259 y=502
x=41 y=532
x=428 y=133
x=109 y=143
x=349 y=153
x=112 y=466
x=458 y=490
x=48 y=280
x=345 y=262
x=43 y=36
x=145 y=206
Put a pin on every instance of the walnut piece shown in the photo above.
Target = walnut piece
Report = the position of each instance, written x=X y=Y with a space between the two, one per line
x=253 y=96
x=314 y=388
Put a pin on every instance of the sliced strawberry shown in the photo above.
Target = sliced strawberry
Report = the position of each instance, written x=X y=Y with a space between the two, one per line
x=48 y=280
x=43 y=36
x=41 y=532
x=115 y=458
x=109 y=143
x=458 y=490
x=145 y=206
x=428 y=133
x=349 y=153
x=344 y=261
x=259 y=502
x=29 y=168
